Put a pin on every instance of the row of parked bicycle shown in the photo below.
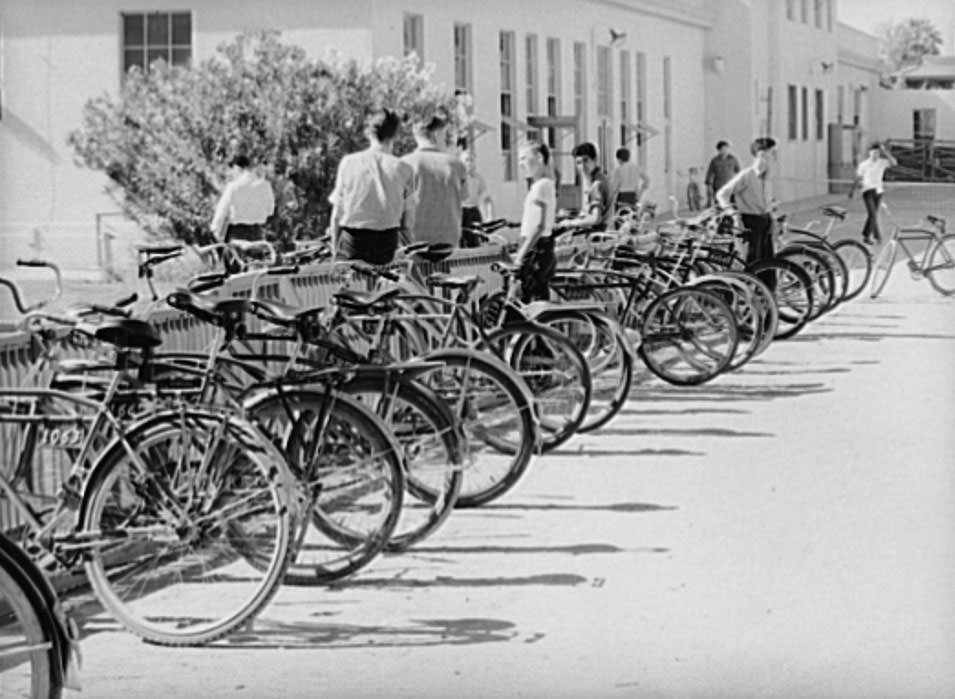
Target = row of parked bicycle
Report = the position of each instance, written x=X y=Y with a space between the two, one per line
x=302 y=442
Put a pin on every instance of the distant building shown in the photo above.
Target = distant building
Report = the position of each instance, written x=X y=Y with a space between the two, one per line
x=666 y=79
x=935 y=73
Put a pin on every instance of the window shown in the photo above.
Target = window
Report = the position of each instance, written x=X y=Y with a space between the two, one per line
x=790 y=9
x=805 y=114
x=804 y=11
x=580 y=84
x=463 y=72
x=154 y=36
x=829 y=15
x=840 y=103
x=667 y=113
x=604 y=97
x=641 y=105
x=820 y=115
x=414 y=35
x=507 y=104
x=793 y=131
x=531 y=73
x=625 y=117
x=923 y=124
x=553 y=77
x=817 y=12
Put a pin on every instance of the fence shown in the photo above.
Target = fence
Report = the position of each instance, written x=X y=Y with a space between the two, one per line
x=312 y=286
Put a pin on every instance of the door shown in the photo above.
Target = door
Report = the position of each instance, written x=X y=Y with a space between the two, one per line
x=561 y=134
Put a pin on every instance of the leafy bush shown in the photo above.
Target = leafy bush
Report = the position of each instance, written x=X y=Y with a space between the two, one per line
x=165 y=142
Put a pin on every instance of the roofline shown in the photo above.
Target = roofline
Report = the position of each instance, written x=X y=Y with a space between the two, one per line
x=672 y=10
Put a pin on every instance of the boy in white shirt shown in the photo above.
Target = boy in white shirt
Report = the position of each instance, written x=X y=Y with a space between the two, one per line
x=869 y=175
x=535 y=252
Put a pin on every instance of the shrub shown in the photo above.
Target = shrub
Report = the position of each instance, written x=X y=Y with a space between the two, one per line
x=165 y=142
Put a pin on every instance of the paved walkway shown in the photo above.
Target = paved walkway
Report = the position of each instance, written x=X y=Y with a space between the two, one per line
x=785 y=531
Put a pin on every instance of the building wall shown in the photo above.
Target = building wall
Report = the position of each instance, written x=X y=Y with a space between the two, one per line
x=55 y=55
x=895 y=108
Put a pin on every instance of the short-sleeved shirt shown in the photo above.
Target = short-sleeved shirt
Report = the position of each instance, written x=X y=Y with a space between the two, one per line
x=597 y=194
x=372 y=190
x=248 y=199
x=752 y=192
x=477 y=191
x=721 y=170
x=544 y=192
x=626 y=177
x=871 y=172
x=440 y=188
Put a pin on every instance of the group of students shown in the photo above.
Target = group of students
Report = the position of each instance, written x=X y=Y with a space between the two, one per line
x=381 y=201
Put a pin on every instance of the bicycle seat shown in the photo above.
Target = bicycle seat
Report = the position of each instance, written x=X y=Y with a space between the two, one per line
x=936 y=220
x=435 y=252
x=369 y=301
x=835 y=212
x=215 y=312
x=446 y=281
x=283 y=314
x=128 y=333
x=158 y=248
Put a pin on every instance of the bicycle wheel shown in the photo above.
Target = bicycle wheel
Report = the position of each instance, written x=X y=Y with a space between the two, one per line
x=188 y=523
x=749 y=318
x=858 y=262
x=689 y=336
x=883 y=268
x=350 y=466
x=608 y=355
x=28 y=646
x=941 y=265
x=765 y=302
x=556 y=373
x=839 y=270
x=820 y=276
x=792 y=291
x=496 y=414
x=431 y=451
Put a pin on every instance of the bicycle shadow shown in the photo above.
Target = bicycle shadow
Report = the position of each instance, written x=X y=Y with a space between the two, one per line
x=622 y=507
x=270 y=633
x=725 y=393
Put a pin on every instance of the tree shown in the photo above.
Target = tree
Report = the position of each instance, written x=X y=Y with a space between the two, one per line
x=165 y=142
x=905 y=45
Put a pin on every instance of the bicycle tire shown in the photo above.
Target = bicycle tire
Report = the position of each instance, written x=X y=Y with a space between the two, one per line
x=766 y=302
x=556 y=373
x=820 y=275
x=609 y=357
x=433 y=476
x=688 y=336
x=858 y=262
x=29 y=652
x=748 y=315
x=497 y=417
x=941 y=265
x=350 y=466
x=883 y=268
x=792 y=291
x=144 y=478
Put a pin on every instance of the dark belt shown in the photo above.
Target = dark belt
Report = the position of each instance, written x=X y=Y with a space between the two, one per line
x=370 y=231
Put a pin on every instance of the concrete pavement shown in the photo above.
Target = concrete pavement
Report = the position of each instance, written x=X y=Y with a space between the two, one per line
x=788 y=531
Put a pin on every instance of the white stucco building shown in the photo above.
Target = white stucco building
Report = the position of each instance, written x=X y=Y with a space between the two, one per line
x=665 y=78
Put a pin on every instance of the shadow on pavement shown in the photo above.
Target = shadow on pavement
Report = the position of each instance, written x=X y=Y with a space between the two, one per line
x=591 y=453
x=700 y=432
x=685 y=411
x=626 y=507
x=868 y=337
x=727 y=392
x=268 y=633
x=572 y=549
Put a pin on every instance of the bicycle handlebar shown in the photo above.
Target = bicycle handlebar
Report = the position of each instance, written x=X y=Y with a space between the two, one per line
x=14 y=288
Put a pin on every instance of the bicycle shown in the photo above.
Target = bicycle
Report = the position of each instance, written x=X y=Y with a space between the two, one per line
x=937 y=263
x=39 y=651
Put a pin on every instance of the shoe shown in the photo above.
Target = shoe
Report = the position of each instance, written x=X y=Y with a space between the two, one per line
x=867 y=241
x=878 y=238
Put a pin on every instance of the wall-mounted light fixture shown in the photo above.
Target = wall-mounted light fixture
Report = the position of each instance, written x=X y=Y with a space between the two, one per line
x=827 y=66
x=718 y=64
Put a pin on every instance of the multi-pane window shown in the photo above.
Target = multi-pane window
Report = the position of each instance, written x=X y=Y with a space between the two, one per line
x=580 y=84
x=840 y=100
x=463 y=62
x=155 y=36
x=604 y=97
x=641 y=105
x=414 y=35
x=531 y=72
x=507 y=103
x=805 y=114
x=625 y=117
x=804 y=11
x=817 y=12
x=793 y=130
x=820 y=115
x=553 y=77
x=923 y=124
x=790 y=9
x=829 y=15
x=667 y=113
